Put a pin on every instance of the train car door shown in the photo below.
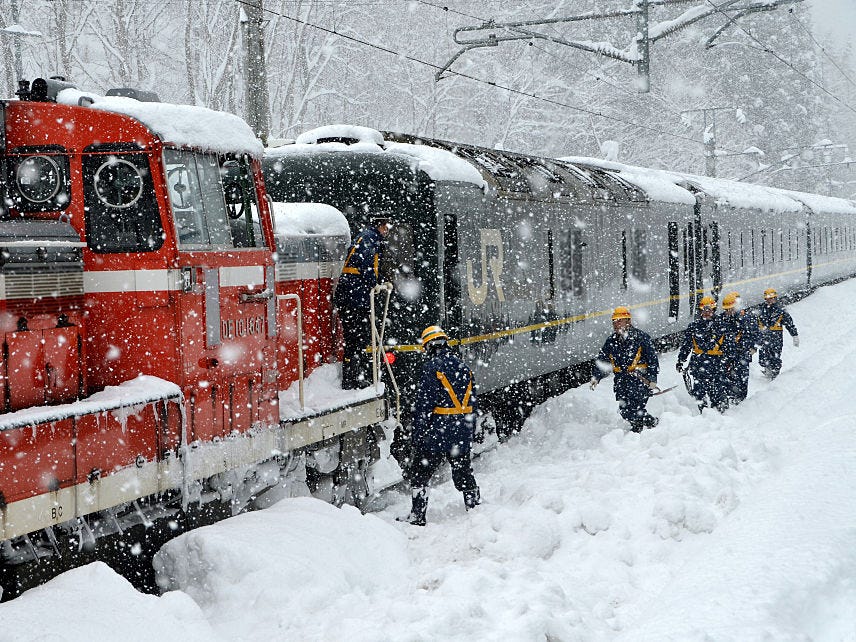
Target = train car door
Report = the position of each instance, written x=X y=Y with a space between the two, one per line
x=226 y=312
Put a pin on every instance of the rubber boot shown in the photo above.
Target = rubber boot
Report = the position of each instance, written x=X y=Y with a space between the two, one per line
x=418 y=506
x=472 y=498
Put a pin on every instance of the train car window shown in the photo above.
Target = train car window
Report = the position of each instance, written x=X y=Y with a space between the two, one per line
x=571 y=276
x=781 y=246
x=674 y=276
x=752 y=241
x=730 y=260
x=551 y=265
x=196 y=195
x=640 y=255
x=623 y=260
x=242 y=206
x=763 y=246
x=686 y=252
x=715 y=258
x=122 y=213
x=38 y=178
x=742 y=251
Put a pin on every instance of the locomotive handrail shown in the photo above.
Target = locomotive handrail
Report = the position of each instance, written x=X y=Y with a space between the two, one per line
x=377 y=343
x=296 y=297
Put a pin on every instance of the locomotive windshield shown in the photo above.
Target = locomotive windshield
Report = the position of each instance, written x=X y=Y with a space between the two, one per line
x=118 y=193
x=213 y=201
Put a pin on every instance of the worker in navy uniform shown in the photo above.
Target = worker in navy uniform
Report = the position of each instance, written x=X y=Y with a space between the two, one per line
x=629 y=354
x=443 y=424
x=360 y=273
x=771 y=318
x=705 y=338
x=741 y=337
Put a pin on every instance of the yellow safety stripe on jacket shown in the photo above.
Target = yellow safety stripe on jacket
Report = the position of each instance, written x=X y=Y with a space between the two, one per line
x=776 y=327
x=376 y=269
x=715 y=351
x=635 y=365
x=348 y=269
x=457 y=408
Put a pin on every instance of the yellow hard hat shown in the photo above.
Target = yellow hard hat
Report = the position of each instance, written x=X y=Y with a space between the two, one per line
x=620 y=313
x=730 y=300
x=707 y=302
x=432 y=333
x=770 y=293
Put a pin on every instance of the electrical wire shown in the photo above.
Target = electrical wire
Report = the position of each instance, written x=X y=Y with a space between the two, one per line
x=782 y=60
x=466 y=76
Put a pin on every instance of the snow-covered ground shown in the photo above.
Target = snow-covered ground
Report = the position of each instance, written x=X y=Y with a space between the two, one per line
x=734 y=527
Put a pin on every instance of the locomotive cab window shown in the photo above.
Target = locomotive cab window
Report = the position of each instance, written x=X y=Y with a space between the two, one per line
x=213 y=201
x=38 y=179
x=118 y=193
x=242 y=206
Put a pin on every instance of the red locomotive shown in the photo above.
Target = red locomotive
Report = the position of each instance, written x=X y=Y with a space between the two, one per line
x=152 y=320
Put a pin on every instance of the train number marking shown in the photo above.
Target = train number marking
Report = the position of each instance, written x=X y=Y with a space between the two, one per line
x=478 y=294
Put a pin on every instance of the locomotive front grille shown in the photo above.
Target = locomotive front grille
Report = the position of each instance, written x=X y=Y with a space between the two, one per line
x=44 y=285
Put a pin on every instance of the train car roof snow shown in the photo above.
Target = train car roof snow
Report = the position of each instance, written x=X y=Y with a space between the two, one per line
x=818 y=203
x=654 y=184
x=675 y=187
x=309 y=219
x=440 y=164
x=181 y=125
x=340 y=134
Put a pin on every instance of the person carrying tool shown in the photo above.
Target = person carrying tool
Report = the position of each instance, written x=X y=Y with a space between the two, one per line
x=629 y=354
x=705 y=338
x=443 y=424
x=771 y=318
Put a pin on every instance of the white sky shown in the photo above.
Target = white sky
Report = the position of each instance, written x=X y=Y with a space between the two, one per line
x=834 y=22
x=707 y=528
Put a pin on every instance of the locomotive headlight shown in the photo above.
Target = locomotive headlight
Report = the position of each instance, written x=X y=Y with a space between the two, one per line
x=38 y=178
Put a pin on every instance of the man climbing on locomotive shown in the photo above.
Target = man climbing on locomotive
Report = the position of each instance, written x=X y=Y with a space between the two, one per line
x=360 y=273
x=629 y=354
x=443 y=424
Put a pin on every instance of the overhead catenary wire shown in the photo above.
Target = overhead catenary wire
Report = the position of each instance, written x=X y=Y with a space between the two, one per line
x=466 y=76
x=823 y=49
x=770 y=51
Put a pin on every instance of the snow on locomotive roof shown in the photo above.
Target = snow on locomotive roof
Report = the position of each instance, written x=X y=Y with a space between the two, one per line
x=439 y=164
x=661 y=185
x=182 y=125
x=309 y=219
x=340 y=133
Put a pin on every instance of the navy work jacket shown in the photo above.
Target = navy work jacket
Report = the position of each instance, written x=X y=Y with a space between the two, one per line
x=361 y=271
x=705 y=338
x=628 y=357
x=773 y=317
x=741 y=334
x=444 y=420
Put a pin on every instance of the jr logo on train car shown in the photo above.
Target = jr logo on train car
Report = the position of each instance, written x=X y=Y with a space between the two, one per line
x=478 y=294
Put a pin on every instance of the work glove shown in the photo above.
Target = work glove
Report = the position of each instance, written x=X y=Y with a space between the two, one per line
x=679 y=366
x=593 y=383
x=796 y=341
x=652 y=385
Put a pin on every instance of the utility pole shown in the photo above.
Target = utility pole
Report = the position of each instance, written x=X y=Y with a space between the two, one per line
x=255 y=87
x=709 y=136
x=643 y=48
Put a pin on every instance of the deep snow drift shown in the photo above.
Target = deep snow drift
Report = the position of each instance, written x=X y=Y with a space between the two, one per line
x=734 y=527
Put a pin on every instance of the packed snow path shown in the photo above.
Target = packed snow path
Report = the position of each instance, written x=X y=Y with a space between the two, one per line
x=716 y=527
